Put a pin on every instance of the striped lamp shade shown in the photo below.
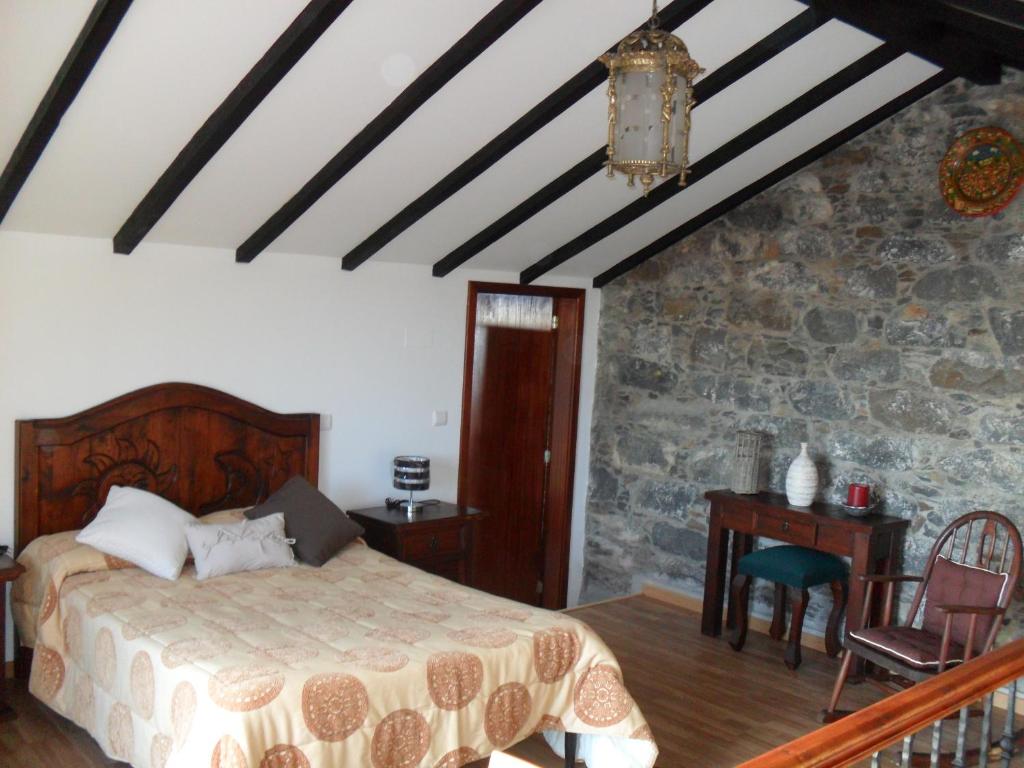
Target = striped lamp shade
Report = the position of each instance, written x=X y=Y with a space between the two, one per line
x=412 y=473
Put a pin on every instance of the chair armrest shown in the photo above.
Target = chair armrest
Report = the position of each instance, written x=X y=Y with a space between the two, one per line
x=890 y=583
x=974 y=611
x=978 y=609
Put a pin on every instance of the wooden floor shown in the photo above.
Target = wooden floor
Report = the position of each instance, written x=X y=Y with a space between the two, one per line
x=708 y=706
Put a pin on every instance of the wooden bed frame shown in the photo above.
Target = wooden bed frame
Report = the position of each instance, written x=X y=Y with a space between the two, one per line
x=200 y=448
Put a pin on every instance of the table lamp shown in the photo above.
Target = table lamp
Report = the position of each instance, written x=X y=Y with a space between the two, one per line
x=412 y=473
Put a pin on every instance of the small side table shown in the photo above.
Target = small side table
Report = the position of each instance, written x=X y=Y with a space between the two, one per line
x=9 y=571
x=439 y=539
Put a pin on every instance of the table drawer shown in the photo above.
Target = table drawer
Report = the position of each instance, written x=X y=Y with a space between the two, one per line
x=835 y=540
x=444 y=541
x=786 y=529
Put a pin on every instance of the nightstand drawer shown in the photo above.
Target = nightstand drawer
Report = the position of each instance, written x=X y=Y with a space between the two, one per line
x=418 y=545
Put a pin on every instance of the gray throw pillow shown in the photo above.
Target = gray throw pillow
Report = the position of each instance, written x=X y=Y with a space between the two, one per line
x=319 y=527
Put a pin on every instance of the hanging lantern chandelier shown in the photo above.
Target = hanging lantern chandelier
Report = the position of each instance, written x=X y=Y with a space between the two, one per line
x=650 y=95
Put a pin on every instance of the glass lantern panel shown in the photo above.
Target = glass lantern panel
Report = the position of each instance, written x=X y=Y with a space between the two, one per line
x=638 y=130
x=677 y=123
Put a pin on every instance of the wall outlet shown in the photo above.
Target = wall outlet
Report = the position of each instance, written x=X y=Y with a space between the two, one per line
x=326 y=422
x=440 y=418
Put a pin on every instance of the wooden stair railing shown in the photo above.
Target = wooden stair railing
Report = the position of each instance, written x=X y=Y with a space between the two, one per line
x=867 y=732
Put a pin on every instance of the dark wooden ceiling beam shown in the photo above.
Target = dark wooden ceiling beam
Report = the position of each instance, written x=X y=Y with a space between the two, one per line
x=286 y=51
x=532 y=205
x=1005 y=11
x=766 y=182
x=743 y=64
x=711 y=162
x=924 y=28
x=497 y=22
x=995 y=25
x=99 y=28
x=570 y=92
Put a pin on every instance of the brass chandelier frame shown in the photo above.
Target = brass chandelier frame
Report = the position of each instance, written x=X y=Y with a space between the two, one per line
x=649 y=50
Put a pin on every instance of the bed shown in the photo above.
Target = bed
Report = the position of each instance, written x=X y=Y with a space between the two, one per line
x=364 y=661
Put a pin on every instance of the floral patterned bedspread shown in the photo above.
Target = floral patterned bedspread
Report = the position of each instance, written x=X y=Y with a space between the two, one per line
x=363 y=662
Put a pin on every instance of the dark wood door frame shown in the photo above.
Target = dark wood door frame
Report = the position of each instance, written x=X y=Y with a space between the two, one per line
x=568 y=308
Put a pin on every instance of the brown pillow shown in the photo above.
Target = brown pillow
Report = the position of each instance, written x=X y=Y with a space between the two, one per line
x=319 y=527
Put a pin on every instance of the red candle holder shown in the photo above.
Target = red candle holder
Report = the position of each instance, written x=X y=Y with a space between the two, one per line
x=859 y=495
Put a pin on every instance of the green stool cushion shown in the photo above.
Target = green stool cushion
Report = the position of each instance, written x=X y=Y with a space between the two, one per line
x=794 y=566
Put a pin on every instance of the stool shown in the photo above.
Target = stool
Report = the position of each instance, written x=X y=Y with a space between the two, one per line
x=799 y=568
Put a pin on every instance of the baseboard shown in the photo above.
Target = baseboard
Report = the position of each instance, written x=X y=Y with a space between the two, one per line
x=696 y=605
x=673 y=597
x=598 y=602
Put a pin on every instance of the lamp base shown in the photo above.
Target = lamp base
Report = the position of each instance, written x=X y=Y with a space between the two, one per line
x=411 y=508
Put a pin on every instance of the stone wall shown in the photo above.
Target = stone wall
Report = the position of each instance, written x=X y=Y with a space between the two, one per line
x=847 y=307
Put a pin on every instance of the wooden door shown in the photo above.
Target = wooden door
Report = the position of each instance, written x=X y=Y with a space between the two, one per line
x=512 y=408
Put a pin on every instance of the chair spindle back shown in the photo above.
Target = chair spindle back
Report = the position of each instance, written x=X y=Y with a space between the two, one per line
x=995 y=547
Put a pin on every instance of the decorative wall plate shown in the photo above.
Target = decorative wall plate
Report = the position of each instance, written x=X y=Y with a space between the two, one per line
x=981 y=172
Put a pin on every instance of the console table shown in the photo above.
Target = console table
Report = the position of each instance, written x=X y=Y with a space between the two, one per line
x=871 y=542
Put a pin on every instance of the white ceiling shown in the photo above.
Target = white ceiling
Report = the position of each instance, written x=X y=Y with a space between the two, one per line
x=170 y=64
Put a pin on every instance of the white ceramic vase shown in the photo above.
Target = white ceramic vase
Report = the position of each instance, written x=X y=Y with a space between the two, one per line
x=801 y=479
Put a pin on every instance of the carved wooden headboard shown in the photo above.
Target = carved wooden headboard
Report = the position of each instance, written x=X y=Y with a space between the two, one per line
x=202 y=449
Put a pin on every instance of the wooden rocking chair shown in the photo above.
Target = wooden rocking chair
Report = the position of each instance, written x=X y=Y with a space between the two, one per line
x=965 y=590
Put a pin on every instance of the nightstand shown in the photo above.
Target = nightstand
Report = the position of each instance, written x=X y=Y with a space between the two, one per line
x=438 y=539
x=9 y=571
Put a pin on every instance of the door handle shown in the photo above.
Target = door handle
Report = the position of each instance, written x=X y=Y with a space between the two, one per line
x=785 y=525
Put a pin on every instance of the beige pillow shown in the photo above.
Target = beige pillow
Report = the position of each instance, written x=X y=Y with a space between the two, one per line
x=223 y=516
x=250 y=545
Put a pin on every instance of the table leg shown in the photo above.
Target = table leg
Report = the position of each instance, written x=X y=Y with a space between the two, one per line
x=6 y=712
x=742 y=544
x=894 y=553
x=714 y=577
x=571 y=742
x=885 y=565
x=861 y=565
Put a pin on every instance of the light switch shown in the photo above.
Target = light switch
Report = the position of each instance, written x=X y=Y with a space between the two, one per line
x=326 y=422
x=440 y=418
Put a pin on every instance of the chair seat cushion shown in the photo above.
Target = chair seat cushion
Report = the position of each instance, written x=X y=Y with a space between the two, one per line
x=794 y=566
x=912 y=646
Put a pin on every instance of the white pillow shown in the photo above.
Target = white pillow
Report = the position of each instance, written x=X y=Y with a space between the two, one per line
x=246 y=546
x=142 y=528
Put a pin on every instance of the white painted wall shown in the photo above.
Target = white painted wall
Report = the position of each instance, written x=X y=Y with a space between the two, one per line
x=378 y=349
